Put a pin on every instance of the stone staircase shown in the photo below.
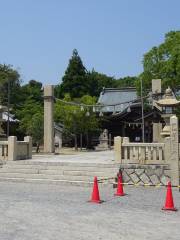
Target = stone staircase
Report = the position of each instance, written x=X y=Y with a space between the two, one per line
x=79 y=174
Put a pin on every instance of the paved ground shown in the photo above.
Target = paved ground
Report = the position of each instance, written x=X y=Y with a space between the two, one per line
x=79 y=157
x=53 y=212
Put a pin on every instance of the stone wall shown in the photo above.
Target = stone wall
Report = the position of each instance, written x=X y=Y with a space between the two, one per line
x=16 y=150
x=145 y=174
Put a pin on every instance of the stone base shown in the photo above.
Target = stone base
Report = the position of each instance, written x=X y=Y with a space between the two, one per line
x=101 y=148
x=145 y=174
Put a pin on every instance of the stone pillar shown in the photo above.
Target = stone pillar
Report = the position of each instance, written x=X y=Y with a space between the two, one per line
x=174 y=147
x=167 y=150
x=12 y=148
x=125 y=139
x=156 y=88
x=29 y=140
x=157 y=129
x=48 y=119
x=117 y=149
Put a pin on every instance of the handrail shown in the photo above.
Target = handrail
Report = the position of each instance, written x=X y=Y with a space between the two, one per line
x=134 y=144
x=3 y=142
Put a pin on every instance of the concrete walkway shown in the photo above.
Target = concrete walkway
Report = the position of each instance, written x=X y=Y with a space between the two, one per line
x=79 y=157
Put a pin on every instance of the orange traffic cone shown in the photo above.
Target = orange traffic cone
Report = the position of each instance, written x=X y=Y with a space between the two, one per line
x=120 y=191
x=169 y=203
x=95 y=198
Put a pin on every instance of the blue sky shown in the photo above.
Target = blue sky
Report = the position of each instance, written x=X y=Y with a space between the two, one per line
x=38 y=36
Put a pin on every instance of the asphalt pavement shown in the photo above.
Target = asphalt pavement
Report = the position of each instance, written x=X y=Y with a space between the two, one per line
x=54 y=212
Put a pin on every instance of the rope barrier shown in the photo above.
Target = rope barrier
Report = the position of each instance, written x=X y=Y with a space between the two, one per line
x=100 y=105
x=101 y=180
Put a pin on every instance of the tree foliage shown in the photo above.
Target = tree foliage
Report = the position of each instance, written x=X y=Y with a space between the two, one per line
x=10 y=76
x=126 y=82
x=78 y=82
x=30 y=110
x=74 y=80
x=163 y=62
x=76 y=120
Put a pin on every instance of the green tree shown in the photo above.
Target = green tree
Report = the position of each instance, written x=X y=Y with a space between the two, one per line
x=35 y=129
x=163 y=62
x=30 y=111
x=74 y=80
x=126 y=82
x=77 y=121
x=96 y=81
x=31 y=91
x=10 y=76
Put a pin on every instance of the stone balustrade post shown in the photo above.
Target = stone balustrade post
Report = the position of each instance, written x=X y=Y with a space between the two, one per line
x=174 y=150
x=167 y=149
x=118 y=149
x=29 y=140
x=12 y=148
x=125 y=139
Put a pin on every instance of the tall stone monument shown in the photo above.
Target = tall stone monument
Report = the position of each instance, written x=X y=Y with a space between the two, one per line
x=48 y=119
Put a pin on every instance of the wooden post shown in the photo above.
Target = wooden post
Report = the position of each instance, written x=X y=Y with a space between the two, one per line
x=110 y=141
x=81 y=141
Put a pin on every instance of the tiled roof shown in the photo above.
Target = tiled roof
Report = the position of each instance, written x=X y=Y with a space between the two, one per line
x=111 y=96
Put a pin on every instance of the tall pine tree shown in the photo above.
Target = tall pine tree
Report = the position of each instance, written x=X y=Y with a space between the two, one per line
x=74 y=81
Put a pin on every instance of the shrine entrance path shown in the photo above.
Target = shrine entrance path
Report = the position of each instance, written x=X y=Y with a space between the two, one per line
x=78 y=157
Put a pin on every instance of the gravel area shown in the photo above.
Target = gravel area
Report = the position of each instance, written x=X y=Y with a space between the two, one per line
x=54 y=212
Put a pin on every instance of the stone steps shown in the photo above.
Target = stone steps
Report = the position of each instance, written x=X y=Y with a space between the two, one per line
x=66 y=173
x=71 y=167
x=61 y=164
x=52 y=176
x=48 y=181
x=59 y=172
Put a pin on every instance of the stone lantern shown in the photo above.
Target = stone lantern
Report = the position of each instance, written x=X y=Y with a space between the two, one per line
x=168 y=104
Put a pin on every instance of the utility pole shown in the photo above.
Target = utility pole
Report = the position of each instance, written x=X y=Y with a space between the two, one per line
x=142 y=108
x=8 y=106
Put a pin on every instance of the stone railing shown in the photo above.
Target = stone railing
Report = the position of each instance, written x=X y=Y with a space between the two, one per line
x=3 y=150
x=139 y=153
x=143 y=153
x=16 y=150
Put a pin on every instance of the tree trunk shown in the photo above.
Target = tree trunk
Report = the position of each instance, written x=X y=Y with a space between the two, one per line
x=87 y=140
x=75 y=142
x=81 y=141
x=37 y=147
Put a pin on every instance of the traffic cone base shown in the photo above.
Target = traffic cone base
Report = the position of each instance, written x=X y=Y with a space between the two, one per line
x=96 y=201
x=119 y=194
x=169 y=209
